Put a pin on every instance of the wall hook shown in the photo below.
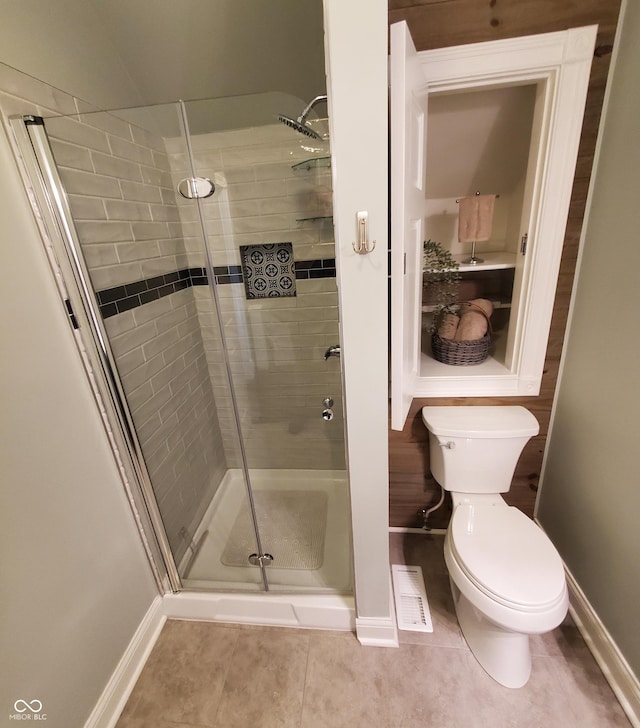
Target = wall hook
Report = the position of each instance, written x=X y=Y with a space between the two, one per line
x=361 y=246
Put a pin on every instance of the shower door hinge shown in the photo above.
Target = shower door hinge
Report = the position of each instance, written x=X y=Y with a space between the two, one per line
x=523 y=243
x=70 y=314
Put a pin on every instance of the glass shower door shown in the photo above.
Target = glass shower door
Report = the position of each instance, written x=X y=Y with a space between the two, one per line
x=269 y=235
x=111 y=175
x=217 y=320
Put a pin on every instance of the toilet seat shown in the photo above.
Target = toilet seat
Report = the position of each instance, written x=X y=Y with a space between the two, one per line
x=506 y=556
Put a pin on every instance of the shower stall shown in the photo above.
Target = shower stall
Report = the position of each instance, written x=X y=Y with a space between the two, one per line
x=199 y=272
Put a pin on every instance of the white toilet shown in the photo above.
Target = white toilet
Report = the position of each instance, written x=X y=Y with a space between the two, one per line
x=506 y=576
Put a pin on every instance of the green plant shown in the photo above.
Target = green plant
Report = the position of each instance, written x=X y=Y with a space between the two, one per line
x=441 y=275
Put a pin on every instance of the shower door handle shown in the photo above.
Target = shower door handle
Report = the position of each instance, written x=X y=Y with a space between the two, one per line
x=196 y=188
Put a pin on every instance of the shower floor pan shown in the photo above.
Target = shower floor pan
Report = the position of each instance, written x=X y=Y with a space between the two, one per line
x=304 y=521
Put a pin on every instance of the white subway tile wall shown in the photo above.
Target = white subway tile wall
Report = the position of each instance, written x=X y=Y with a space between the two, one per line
x=275 y=345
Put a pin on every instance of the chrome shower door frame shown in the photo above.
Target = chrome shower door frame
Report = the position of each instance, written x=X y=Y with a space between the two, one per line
x=62 y=245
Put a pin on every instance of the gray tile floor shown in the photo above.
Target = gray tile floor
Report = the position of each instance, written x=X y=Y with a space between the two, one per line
x=206 y=675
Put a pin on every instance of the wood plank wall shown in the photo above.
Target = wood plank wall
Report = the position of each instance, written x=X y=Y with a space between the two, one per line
x=441 y=23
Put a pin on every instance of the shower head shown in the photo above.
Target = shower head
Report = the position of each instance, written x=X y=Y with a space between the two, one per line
x=300 y=124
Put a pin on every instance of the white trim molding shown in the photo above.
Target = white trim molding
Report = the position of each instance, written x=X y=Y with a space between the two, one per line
x=357 y=81
x=558 y=66
x=117 y=691
x=615 y=668
x=372 y=632
x=379 y=631
x=419 y=531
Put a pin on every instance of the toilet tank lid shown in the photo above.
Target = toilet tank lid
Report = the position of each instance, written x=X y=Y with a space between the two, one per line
x=481 y=422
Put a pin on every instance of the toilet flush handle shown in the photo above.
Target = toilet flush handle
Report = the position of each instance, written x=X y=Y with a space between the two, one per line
x=450 y=445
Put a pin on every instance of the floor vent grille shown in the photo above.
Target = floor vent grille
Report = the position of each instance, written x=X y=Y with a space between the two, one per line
x=412 y=608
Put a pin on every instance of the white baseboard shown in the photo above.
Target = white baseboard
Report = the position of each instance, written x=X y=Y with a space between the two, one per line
x=422 y=531
x=115 y=695
x=377 y=632
x=615 y=668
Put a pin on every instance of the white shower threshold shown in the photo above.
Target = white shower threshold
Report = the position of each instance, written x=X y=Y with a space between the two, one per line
x=308 y=611
x=208 y=572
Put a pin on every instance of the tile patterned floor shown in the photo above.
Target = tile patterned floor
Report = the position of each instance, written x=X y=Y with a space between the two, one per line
x=205 y=675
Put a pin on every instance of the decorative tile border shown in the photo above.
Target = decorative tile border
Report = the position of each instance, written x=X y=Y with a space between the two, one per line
x=321 y=268
x=116 y=300
x=123 y=298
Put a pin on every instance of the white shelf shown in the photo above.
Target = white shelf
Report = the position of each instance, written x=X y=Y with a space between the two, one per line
x=496 y=305
x=490 y=377
x=490 y=261
x=430 y=367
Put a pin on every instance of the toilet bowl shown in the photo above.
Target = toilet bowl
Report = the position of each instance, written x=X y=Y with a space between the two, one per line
x=507 y=579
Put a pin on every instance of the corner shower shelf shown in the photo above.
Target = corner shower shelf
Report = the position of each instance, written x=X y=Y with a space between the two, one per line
x=315 y=217
x=314 y=163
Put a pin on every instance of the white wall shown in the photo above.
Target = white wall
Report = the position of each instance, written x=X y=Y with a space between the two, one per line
x=590 y=499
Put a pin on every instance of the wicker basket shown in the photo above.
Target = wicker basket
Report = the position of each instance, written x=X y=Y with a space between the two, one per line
x=461 y=353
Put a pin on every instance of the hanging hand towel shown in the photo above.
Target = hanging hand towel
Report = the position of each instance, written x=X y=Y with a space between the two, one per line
x=475 y=218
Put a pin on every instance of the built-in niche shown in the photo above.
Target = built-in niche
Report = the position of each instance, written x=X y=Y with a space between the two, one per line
x=500 y=118
x=478 y=141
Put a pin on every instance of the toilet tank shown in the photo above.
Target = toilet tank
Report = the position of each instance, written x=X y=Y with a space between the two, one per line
x=476 y=449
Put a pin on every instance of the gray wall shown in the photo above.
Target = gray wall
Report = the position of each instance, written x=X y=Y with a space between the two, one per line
x=590 y=499
x=63 y=43
x=120 y=53
x=75 y=579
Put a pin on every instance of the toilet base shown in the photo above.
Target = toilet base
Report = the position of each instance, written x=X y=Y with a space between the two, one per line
x=504 y=655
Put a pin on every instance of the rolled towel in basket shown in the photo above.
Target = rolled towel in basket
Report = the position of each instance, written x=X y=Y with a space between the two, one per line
x=448 y=326
x=477 y=303
x=473 y=322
